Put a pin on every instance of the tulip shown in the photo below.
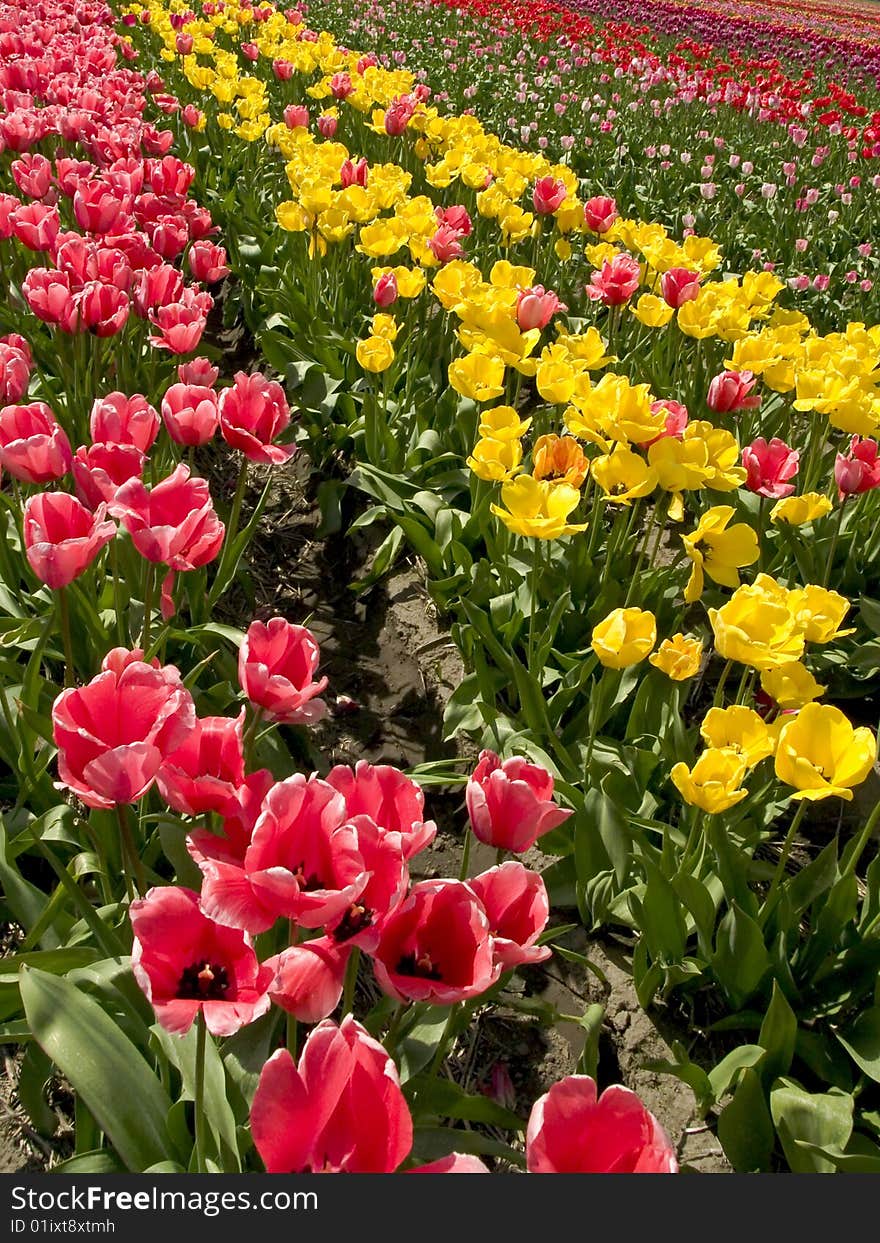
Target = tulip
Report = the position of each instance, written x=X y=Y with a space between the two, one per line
x=353 y=174
x=103 y=309
x=516 y=903
x=97 y=208
x=719 y=550
x=327 y=125
x=436 y=946
x=391 y=799
x=180 y=326
x=384 y=859
x=113 y=733
x=398 y=115
x=739 y=729
x=122 y=420
x=548 y=195
x=190 y=413
x=36 y=225
x=624 y=637
x=731 y=391
x=198 y=371
x=679 y=657
x=253 y=412
x=445 y=244
x=600 y=214
x=15 y=372
x=535 y=308
x=757 y=627
x=859 y=470
x=277 y=662
x=99 y=471
x=207 y=262
x=616 y=282
x=296 y=116
x=33 y=446
x=340 y=1110
x=510 y=802
x=573 y=1130
x=206 y=771
x=624 y=476
x=385 y=291
x=822 y=755
x=187 y=965
x=62 y=538
x=791 y=686
x=538 y=507
x=48 y=294
x=173 y=523
x=309 y=979
x=770 y=466
x=714 y=782
x=559 y=457
x=32 y=174
x=796 y=510
x=303 y=862
x=678 y=286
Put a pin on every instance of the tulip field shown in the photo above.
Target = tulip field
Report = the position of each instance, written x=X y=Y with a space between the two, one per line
x=566 y=315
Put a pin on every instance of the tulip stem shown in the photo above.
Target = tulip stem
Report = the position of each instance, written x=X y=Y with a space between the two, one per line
x=533 y=604
x=64 y=619
x=862 y=841
x=833 y=549
x=250 y=734
x=719 y=689
x=201 y=1041
x=231 y=531
x=440 y=1052
x=351 y=975
x=133 y=863
x=148 y=605
x=466 y=854
x=783 y=860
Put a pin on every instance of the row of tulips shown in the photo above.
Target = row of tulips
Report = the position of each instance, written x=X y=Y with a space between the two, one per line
x=177 y=888
x=589 y=522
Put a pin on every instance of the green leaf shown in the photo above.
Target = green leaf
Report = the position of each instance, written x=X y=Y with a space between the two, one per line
x=742 y=1058
x=778 y=1035
x=740 y=961
x=106 y=1069
x=821 y=1119
x=181 y=1052
x=745 y=1127
x=441 y=1098
x=862 y=1042
x=97 y=1161
x=432 y=1143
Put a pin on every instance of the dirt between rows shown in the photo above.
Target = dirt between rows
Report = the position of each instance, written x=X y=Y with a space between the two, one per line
x=392 y=666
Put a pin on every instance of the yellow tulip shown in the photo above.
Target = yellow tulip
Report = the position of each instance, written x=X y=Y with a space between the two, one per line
x=375 y=354
x=791 y=686
x=624 y=475
x=738 y=729
x=821 y=754
x=503 y=423
x=757 y=629
x=477 y=376
x=652 y=311
x=679 y=657
x=384 y=326
x=538 y=508
x=796 y=510
x=714 y=782
x=624 y=637
x=820 y=612
x=718 y=550
x=495 y=460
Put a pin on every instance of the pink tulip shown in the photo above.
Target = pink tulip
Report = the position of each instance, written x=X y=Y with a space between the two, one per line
x=679 y=285
x=33 y=446
x=99 y=471
x=62 y=538
x=173 y=523
x=535 y=307
x=731 y=391
x=253 y=413
x=572 y=1130
x=616 y=282
x=515 y=901
x=769 y=467
x=600 y=214
x=858 y=470
x=391 y=799
x=123 y=420
x=510 y=802
x=309 y=979
x=277 y=662
x=190 y=414
x=548 y=195
x=385 y=291
x=206 y=771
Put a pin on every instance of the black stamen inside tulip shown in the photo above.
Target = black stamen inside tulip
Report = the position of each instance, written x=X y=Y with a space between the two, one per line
x=422 y=966
x=355 y=920
x=203 y=981
x=308 y=884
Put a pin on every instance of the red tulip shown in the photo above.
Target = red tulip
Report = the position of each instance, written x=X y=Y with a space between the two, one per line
x=857 y=471
x=206 y=771
x=207 y=262
x=769 y=466
x=382 y=853
x=97 y=207
x=33 y=446
x=515 y=901
x=124 y=420
x=198 y=371
x=398 y=115
x=731 y=391
x=309 y=979
x=48 y=294
x=572 y=1130
x=436 y=946
x=253 y=412
x=616 y=282
x=36 y=225
x=32 y=174
x=679 y=285
x=283 y=69
x=113 y=733
x=391 y=799
x=190 y=414
x=600 y=213
x=62 y=538
x=327 y=125
x=385 y=292
x=535 y=308
x=353 y=173
x=445 y=244
x=456 y=217
x=180 y=324
x=277 y=662
x=340 y=1110
x=548 y=195
x=239 y=818
x=103 y=309
x=510 y=803
x=188 y=965
x=15 y=373
x=173 y=523
x=296 y=116
x=99 y=471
